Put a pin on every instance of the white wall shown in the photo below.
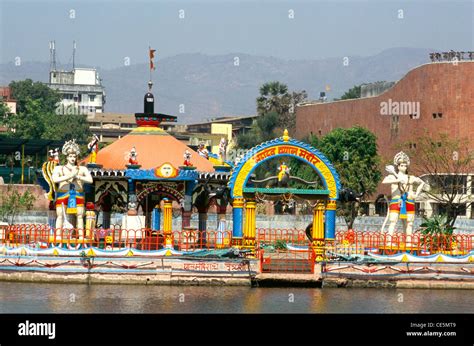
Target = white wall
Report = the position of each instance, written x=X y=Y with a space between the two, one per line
x=85 y=76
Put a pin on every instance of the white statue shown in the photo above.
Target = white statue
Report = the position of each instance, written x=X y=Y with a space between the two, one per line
x=403 y=194
x=202 y=151
x=222 y=149
x=70 y=193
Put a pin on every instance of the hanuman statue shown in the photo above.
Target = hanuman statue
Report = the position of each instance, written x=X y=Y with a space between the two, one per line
x=403 y=194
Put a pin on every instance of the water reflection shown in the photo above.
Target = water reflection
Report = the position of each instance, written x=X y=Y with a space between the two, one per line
x=59 y=298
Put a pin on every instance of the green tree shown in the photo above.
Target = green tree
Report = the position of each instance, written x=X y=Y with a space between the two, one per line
x=275 y=97
x=4 y=109
x=27 y=89
x=263 y=129
x=36 y=116
x=353 y=153
x=443 y=163
x=352 y=93
x=13 y=202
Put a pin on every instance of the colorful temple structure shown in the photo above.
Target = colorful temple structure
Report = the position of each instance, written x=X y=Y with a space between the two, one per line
x=145 y=171
x=148 y=175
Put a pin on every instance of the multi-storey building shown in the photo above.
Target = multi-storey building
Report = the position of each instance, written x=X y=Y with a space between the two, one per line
x=81 y=91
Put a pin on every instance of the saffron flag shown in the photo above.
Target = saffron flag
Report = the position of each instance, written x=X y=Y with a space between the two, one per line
x=152 y=56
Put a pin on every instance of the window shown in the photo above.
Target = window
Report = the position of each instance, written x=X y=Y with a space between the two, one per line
x=437 y=115
x=450 y=184
x=68 y=96
x=364 y=209
x=91 y=98
x=381 y=206
x=442 y=209
x=419 y=210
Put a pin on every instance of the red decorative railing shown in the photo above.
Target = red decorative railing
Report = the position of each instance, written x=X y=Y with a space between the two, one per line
x=346 y=242
x=274 y=234
x=357 y=242
x=144 y=239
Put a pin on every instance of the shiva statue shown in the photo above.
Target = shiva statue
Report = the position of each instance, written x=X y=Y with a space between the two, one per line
x=70 y=193
x=403 y=195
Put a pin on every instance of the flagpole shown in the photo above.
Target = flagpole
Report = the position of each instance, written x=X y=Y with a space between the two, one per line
x=149 y=52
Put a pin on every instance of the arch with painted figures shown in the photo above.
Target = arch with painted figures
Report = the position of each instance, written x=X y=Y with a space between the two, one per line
x=285 y=146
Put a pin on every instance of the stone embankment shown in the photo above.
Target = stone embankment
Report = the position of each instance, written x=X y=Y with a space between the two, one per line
x=230 y=272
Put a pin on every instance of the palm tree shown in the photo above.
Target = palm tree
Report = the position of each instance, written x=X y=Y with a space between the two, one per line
x=273 y=97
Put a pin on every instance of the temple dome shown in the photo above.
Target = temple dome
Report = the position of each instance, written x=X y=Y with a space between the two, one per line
x=154 y=147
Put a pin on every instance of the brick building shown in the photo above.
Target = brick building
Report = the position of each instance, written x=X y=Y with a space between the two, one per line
x=436 y=97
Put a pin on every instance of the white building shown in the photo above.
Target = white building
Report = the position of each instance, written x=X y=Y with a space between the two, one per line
x=81 y=91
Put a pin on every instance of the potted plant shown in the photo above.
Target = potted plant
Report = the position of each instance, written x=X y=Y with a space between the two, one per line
x=437 y=233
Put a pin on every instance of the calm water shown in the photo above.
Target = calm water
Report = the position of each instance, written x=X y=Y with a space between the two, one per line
x=49 y=298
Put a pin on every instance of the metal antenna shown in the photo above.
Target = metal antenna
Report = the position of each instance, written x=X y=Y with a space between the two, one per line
x=73 y=54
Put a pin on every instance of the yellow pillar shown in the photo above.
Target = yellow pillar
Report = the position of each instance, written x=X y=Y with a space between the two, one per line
x=168 y=222
x=318 y=230
x=250 y=224
x=90 y=223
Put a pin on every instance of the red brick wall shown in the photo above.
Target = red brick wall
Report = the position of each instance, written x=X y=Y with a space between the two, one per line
x=439 y=87
x=41 y=202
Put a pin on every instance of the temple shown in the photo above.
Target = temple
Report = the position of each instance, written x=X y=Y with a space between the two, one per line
x=149 y=175
x=157 y=178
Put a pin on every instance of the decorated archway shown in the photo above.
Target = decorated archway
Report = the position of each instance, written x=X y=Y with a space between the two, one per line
x=285 y=146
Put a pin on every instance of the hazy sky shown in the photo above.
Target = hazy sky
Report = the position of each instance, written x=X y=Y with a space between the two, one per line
x=108 y=31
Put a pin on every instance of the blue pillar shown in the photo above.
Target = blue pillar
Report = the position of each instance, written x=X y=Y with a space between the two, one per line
x=237 y=217
x=156 y=218
x=330 y=220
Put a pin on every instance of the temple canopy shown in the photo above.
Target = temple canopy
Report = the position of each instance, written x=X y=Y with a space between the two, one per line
x=154 y=146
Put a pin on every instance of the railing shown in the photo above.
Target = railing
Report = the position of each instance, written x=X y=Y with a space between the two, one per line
x=365 y=242
x=42 y=236
x=284 y=251
x=355 y=242
x=346 y=242
x=271 y=235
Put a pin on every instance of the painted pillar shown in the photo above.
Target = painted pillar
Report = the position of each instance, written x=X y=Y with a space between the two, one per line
x=202 y=225
x=250 y=223
x=187 y=209
x=237 y=218
x=90 y=220
x=318 y=230
x=222 y=237
x=156 y=218
x=185 y=218
x=106 y=219
x=330 y=221
x=168 y=222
